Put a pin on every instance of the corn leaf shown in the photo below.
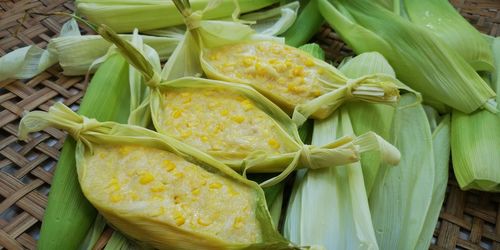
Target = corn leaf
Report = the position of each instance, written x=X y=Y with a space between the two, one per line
x=68 y=214
x=472 y=139
x=419 y=58
x=125 y=16
x=441 y=147
x=440 y=17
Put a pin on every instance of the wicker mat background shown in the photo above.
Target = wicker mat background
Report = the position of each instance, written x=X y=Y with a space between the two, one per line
x=468 y=220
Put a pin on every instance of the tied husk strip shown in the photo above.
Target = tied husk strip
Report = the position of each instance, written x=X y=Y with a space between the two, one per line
x=68 y=214
x=88 y=132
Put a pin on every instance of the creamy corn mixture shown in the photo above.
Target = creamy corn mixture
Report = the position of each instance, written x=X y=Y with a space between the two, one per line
x=161 y=185
x=282 y=70
x=218 y=120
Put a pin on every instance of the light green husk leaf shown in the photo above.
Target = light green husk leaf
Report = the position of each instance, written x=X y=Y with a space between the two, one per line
x=94 y=233
x=419 y=58
x=473 y=137
x=90 y=133
x=441 y=147
x=442 y=19
x=342 y=151
x=385 y=121
x=74 y=52
x=400 y=202
x=119 y=242
x=274 y=21
x=329 y=206
x=125 y=16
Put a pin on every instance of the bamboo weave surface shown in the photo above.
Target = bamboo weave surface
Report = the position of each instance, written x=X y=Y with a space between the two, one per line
x=468 y=220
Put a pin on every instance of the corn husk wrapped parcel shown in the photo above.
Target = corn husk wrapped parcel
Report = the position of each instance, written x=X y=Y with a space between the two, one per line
x=298 y=83
x=160 y=191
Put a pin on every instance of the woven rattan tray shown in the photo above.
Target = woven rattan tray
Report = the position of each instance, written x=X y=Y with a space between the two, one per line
x=468 y=220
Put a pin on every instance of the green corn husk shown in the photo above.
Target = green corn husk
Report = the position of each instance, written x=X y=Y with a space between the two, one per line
x=386 y=185
x=441 y=147
x=329 y=206
x=419 y=58
x=473 y=137
x=440 y=17
x=74 y=52
x=125 y=16
x=292 y=152
x=68 y=214
x=128 y=194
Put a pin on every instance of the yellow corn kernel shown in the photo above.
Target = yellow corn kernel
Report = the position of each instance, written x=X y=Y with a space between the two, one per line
x=168 y=165
x=238 y=222
x=176 y=114
x=272 y=61
x=185 y=134
x=179 y=219
x=204 y=222
x=224 y=112
x=309 y=62
x=320 y=71
x=179 y=175
x=248 y=61
x=273 y=143
x=298 y=71
x=203 y=182
x=215 y=185
x=238 y=118
x=196 y=191
x=280 y=67
x=158 y=188
x=134 y=196
x=204 y=138
x=116 y=197
x=288 y=63
x=260 y=69
x=124 y=150
x=232 y=192
x=214 y=56
x=262 y=47
x=247 y=104
x=146 y=178
x=296 y=89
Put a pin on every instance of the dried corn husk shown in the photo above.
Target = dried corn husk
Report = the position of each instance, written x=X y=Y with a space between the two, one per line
x=135 y=198
x=475 y=140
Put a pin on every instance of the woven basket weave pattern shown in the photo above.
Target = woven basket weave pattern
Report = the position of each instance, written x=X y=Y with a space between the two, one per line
x=468 y=220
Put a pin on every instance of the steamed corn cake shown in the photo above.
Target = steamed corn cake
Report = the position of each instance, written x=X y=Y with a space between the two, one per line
x=218 y=120
x=271 y=67
x=160 y=185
